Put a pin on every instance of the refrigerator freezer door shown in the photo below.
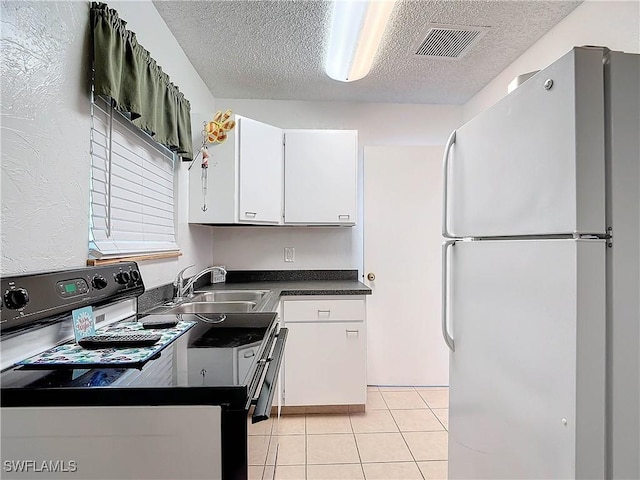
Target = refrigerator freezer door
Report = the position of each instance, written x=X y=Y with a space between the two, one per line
x=533 y=163
x=527 y=382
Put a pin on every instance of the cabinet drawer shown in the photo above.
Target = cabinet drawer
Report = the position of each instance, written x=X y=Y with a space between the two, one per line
x=315 y=310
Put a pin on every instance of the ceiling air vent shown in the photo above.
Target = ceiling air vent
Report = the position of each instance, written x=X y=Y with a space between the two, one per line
x=448 y=41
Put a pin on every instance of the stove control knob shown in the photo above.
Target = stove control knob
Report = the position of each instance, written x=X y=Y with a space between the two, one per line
x=99 y=282
x=135 y=276
x=122 y=278
x=16 y=298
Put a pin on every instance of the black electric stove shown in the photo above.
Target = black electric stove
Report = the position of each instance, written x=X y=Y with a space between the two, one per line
x=224 y=358
x=231 y=360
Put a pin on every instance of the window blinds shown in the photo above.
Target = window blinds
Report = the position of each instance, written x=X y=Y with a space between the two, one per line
x=132 y=207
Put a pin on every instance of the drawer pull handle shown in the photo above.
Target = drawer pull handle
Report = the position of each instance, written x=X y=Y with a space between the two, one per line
x=350 y=330
x=250 y=214
x=250 y=354
x=344 y=217
x=325 y=313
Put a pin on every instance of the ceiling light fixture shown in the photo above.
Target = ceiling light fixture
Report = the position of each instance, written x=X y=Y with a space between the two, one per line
x=357 y=27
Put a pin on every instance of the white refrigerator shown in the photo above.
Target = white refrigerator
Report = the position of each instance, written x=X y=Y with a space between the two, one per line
x=541 y=276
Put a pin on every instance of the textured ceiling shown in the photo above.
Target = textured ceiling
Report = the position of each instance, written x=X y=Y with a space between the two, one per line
x=276 y=49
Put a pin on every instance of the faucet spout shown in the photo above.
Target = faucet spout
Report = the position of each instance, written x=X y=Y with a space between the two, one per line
x=185 y=290
x=178 y=284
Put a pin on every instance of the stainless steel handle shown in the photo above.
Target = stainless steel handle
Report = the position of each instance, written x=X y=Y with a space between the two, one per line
x=250 y=214
x=445 y=185
x=221 y=317
x=265 y=399
x=445 y=278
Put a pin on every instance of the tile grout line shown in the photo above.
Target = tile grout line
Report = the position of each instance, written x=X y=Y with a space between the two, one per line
x=400 y=430
x=443 y=426
x=404 y=439
x=355 y=440
x=266 y=459
x=306 y=446
x=434 y=413
x=353 y=433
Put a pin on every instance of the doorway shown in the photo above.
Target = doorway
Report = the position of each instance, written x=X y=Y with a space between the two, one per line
x=402 y=265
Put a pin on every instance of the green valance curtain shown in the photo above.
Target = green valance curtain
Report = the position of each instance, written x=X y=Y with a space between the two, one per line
x=125 y=72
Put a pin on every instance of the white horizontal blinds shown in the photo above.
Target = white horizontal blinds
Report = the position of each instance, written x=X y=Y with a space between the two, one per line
x=131 y=190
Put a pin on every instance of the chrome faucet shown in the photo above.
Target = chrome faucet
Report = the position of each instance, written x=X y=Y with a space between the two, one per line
x=178 y=285
x=185 y=290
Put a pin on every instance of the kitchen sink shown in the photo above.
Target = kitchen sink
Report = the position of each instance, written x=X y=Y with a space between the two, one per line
x=229 y=296
x=212 y=307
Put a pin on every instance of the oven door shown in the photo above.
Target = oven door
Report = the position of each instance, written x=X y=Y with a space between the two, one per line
x=269 y=367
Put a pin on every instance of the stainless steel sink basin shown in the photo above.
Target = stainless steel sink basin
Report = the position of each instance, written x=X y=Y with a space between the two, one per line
x=212 y=307
x=229 y=296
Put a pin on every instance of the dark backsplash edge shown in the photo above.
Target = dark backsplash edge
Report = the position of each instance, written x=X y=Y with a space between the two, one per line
x=244 y=276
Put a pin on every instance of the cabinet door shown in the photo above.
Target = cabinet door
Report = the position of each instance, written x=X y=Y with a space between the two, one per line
x=260 y=172
x=325 y=364
x=321 y=176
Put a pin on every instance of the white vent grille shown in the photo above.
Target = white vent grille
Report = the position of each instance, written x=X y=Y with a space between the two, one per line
x=448 y=41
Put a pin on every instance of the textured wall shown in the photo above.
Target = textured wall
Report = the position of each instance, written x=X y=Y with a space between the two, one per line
x=45 y=140
x=610 y=23
x=45 y=135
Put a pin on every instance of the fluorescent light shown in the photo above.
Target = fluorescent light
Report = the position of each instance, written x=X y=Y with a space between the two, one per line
x=356 y=30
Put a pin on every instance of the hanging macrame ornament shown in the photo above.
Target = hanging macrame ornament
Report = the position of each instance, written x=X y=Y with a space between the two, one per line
x=214 y=132
x=204 y=176
x=217 y=129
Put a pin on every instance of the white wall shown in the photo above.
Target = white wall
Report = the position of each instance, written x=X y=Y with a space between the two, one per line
x=45 y=134
x=612 y=24
x=324 y=247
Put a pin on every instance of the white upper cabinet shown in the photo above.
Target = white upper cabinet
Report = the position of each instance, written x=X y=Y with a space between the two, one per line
x=260 y=182
x=320 y=177
x=252 y=173
x=244 y=178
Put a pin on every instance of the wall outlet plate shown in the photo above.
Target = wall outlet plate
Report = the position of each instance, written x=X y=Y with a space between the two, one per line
x=289 y=254
x=217 y=276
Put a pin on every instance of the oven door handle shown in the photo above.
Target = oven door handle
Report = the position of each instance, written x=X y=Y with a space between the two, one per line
x=265 y=399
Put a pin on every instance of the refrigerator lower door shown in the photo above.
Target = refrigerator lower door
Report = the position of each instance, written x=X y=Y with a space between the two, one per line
x=527 y=384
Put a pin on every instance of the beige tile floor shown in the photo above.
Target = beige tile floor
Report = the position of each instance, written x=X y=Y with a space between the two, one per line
x=402 y=435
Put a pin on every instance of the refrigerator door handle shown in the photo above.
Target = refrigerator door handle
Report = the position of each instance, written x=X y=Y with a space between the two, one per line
x=445 y=278
x=445 y=185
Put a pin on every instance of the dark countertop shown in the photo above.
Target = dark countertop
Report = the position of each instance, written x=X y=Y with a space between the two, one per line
x=279 y=284
x=280 y=289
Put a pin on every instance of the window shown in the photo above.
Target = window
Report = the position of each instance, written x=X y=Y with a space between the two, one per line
x=132 y=197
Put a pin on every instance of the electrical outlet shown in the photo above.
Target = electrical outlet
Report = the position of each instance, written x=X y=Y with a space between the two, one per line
x=289 y=254
x=217 y=276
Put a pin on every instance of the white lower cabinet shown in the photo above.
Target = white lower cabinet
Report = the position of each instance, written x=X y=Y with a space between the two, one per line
x=325 y=359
